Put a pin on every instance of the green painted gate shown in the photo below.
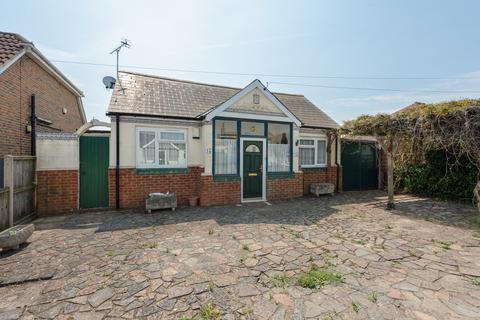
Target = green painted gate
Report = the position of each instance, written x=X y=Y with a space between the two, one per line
x=360 y=165
x=94 y=172
x=252 y=169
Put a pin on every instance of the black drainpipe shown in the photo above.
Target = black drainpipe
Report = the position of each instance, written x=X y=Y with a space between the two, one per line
x=337 y=140
x=117 y=169
x=33 y=123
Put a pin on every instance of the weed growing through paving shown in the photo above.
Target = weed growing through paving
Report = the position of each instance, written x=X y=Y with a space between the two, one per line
x=247 y=311
x=316 y=278
x=210 y=286
x=279 y=280
x=412 y=253
x=296 y=234
x=185 y=318
x=109 y=254
x=152 y=245
x=355 y=307
x=361 y=242
x=373 y=296
x=242 y=259
x=245 y=247
x=476 y=281
x=444 y=244
x=388 y=227
x=209 y=312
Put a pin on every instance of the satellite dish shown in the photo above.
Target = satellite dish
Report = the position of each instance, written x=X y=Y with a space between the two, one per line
x=109 y=82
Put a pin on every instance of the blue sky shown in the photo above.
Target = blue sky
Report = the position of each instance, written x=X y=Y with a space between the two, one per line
x=327 y=38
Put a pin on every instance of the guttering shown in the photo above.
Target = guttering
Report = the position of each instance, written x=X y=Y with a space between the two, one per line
x=147 y=115
x=117 y=168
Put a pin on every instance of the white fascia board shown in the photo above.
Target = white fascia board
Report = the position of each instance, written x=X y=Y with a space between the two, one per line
x=82 y=110
x=254 y=84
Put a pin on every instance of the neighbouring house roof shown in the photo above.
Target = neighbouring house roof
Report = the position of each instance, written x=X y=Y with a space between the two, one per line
x=10 y=45
x=412 y=106
x=140 y=94
x=13 y=46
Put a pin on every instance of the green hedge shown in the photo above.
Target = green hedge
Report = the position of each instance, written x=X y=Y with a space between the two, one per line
x=439 y=176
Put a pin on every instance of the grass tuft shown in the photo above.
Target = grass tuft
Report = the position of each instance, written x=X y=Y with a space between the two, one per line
x=279 y=280
x=373 y=296
x=355 y=307
x=444 y=244
x=209 y=312
x=316 y=278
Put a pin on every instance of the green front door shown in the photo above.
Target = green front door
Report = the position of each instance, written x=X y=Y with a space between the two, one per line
x=93 y=172
x=252 y=169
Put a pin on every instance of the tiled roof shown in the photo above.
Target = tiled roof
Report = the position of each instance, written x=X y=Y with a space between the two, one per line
x=10 y=45
x=159 y=96
x=410 y=107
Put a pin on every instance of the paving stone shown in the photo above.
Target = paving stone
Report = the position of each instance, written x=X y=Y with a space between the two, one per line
x=247 y=290
x=387 y=252
x=176 y=292
x=100 y=297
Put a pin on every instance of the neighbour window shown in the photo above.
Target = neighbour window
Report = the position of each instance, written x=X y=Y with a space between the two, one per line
x=313 y=152
x=161 y=148
x=279 y=146
x=225 y=147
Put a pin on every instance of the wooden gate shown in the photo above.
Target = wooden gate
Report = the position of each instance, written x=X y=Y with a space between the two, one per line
x=360 y=165
x=17 y=197
x=94 y=172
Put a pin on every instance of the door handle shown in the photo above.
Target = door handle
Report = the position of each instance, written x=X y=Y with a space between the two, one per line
x=252 y=174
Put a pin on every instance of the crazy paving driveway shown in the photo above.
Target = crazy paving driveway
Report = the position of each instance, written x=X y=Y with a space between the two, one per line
x=338 y=257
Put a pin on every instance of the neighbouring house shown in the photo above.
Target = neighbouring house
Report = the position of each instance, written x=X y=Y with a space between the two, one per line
x=221 y=144
x=40 y=112
x=24 y=72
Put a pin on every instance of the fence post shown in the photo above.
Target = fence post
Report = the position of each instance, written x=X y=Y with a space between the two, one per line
x=9 y=183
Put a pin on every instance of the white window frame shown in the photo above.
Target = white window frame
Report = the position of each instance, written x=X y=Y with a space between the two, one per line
x=157 y=131
x=314 y=146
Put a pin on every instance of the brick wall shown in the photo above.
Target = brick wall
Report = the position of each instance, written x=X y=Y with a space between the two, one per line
x=17 y=84
x=282 y=188
x=219 y=192
x=319 y=175
x=57 y=191
x=135 y=187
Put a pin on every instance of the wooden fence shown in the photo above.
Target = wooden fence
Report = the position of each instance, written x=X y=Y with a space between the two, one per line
x=17 y=197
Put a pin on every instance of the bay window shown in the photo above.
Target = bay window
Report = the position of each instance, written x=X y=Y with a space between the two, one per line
x=161 y=148
x=279 y=145
x=313 y=152
x=226 y=134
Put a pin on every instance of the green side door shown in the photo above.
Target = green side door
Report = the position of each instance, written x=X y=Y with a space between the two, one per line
x=94 y=172
x=359 y=166
x=252 y=169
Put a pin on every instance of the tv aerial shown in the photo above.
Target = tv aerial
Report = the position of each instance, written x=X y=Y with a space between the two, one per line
x=109 y=81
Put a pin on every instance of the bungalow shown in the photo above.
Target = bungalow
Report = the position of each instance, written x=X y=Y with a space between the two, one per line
x=220 y=144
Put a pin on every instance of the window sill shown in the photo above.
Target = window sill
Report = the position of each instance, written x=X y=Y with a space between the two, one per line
x=226 y=177
x=315 y=168
x=141 y=171
x=281 y=175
